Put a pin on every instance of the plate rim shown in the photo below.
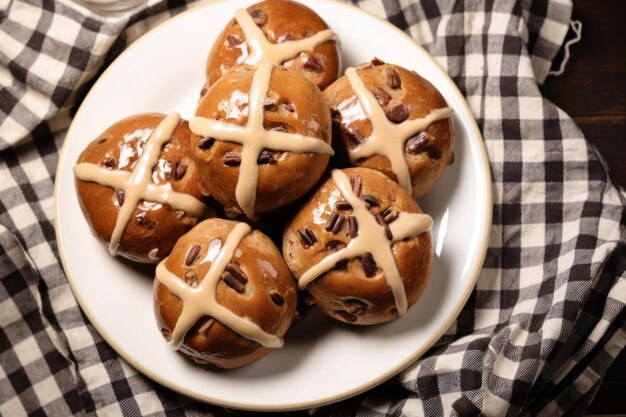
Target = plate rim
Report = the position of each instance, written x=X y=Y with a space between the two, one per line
x=434 y=336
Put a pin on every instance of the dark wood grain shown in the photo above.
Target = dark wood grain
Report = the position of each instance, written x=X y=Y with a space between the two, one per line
x=593 y=88
x=593 y=92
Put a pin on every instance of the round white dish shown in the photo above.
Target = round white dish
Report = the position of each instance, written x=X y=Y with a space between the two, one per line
x=322 y=361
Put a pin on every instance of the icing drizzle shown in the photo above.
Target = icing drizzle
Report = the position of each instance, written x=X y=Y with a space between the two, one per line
x=137 y=185
x=201 y=301
x=254 y=138
x=261 y=49
x=371 y=238
x=387 y=139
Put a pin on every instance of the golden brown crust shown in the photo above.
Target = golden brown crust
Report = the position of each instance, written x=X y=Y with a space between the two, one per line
x=152 y=225
x=286 y=20
x=428 y=162
x=267 y=274
x=344 y=291
x=297 y=105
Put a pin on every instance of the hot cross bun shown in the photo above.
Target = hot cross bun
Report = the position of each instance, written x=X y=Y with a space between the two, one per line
x=163 y=201
x=408 y=133
x=275 y=30
x=361 y=247
x=261 y=138
x=224 y=296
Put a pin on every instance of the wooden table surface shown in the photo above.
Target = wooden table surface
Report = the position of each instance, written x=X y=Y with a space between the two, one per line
x=593 y=91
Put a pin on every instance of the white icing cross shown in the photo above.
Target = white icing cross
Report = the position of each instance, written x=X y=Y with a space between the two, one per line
x=254 y=138
x=137 y=185
x=201 y=301
x=261 y=49
x=372 y=238
x=387 y=139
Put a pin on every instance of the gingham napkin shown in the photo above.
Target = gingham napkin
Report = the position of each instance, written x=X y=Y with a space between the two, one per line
x=538 y=333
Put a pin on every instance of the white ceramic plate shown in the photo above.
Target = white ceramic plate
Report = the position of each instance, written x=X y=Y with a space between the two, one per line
x=322 y=361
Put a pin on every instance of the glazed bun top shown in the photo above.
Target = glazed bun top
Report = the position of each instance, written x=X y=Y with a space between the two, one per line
x=139 y=187
x=393 y=120
x=236 y=278
x=283 y=32
x=352 y=239
x=261 y=138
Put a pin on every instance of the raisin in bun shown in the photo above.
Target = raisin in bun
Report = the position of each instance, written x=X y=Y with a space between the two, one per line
x=224 y=296
x=408 y=134
x=140 y=221
x=261 y=138
x=280 y=25
x=361 y=247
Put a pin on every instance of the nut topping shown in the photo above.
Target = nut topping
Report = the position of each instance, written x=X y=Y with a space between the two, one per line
x=370 y=199
x=236 y=271
x=259 y=17
x=231 y=159
x=380 y=219
x=393 y=79
x=398 y=113
x=353 y=226
x=310 y=234
x=233 y=283
x=205 y=143
x=343 y=205
x=192 y=254
x=338 y=224
x=389 y=215
x=381 y=95
x=181 y=170
x=331 y=221
x=110 y=162
x=278 y=299
x=417 y=143
x=266 y=157
x=334 y=223
x=307 y=237
x=369 y=264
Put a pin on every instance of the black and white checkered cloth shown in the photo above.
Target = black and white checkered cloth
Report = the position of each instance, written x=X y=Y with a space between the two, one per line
x=547 y=316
